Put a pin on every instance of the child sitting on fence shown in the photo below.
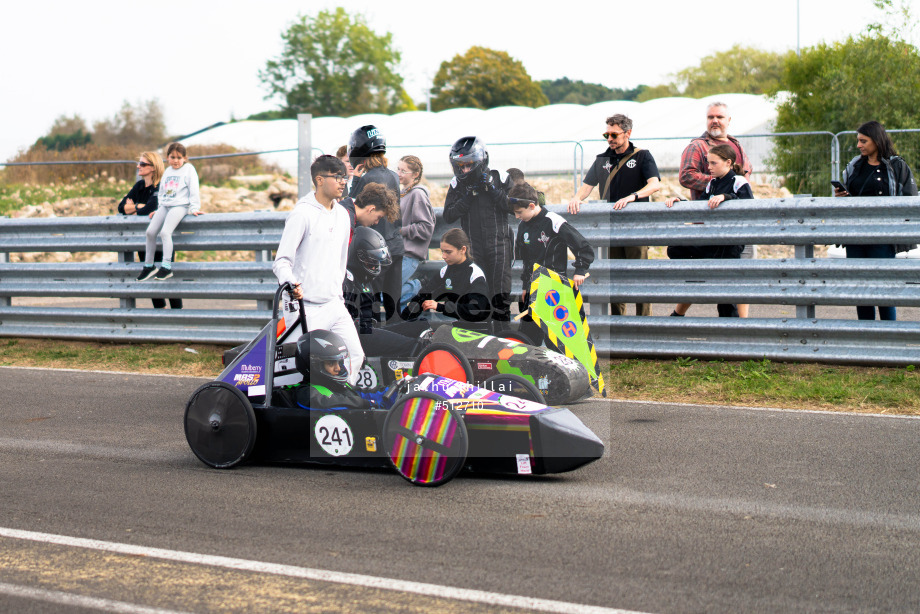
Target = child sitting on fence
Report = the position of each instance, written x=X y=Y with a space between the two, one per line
x=178 y=196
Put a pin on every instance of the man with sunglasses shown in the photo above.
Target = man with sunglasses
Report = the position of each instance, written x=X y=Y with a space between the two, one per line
x=625 y=174
x=313 y=256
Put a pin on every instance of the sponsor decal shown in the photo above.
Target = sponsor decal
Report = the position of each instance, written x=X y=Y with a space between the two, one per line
x=372 y=133
x=334 y=435
x=250 y=368
x=370 y=444
x=400 y=364
x=523 y=464
x=398 y=373
x=246 y=379
x=485 y=366
x=543 y=383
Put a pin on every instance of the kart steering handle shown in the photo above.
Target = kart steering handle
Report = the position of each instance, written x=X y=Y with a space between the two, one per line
x=276 y=303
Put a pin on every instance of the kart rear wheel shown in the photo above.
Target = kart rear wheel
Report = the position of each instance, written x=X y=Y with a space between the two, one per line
x=514 y=385
x=220 y=425
x=425 y=439
x=444 y=360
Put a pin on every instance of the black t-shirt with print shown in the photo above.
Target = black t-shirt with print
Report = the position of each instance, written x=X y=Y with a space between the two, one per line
x=631 y=178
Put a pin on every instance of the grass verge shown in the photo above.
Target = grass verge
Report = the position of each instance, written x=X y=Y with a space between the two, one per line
x=685 y=380
x=769 y=384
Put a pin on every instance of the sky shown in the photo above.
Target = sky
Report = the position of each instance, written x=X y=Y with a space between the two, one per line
x=201 y=58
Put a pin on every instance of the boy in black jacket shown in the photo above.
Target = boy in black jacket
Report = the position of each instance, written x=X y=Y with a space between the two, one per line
x=544 y=238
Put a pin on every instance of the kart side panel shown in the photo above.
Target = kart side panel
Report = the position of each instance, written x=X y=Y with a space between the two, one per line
x=560 y=379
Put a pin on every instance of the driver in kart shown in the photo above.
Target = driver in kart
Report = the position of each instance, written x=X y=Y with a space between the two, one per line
x=322 y=359
x=368 y=255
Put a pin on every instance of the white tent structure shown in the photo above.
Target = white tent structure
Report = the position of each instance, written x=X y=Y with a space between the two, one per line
x=554 y=139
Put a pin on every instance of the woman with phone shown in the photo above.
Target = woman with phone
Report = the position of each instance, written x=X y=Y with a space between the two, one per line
x=876 y=171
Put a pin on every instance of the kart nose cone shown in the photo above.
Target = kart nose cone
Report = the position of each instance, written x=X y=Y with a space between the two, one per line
x=562 y=442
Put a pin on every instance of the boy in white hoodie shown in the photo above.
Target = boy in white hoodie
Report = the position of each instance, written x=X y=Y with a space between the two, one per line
x=313 y=255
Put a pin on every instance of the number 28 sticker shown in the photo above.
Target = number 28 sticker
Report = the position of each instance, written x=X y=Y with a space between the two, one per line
x=367 y=379
x=334 y=435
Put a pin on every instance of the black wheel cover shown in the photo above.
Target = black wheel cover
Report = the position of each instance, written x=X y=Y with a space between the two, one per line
x=514 y=335
x=514 y=385
x=425 y=439
x=220 y=425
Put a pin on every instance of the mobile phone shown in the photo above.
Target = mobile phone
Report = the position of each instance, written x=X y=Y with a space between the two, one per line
x=838 y=185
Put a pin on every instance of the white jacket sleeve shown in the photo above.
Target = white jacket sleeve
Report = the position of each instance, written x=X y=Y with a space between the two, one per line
x=295 y=229
x=194 y=194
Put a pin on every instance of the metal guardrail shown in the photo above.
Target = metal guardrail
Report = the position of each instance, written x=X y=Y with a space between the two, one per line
x=793 y=281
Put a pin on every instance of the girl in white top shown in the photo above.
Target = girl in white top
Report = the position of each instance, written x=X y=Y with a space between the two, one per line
x=178 y=196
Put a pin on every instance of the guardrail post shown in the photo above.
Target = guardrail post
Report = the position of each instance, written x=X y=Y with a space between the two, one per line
x=304 y=154
x=263 y=255
x=804 y=311
x=5 y=301
x=126 y=303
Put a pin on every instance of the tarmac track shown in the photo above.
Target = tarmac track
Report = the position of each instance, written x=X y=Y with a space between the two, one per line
x=693 y=509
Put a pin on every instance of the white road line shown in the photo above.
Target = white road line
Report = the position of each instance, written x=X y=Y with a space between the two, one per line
x=80 y=601
x=320 y=575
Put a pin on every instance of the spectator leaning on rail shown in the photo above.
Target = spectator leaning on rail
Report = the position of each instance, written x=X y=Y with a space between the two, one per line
x=727 y=183
x=417 y=223
x=367 y=152
x=694 y=167
x=627 y=174
x=478 y=197
x=313 y=256
x=177 y=197
x=876 y=171
x=142 y=200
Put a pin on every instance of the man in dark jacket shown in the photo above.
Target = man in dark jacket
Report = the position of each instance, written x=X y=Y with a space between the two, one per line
x=477 y=197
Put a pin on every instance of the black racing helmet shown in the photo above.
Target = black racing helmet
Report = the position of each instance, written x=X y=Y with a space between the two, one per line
x=469 y=149
x=322 y=353
x=368 y=252
x=363 y=142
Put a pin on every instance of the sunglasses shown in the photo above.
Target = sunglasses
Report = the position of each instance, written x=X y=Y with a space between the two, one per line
x=142 y=164
x=612 y=135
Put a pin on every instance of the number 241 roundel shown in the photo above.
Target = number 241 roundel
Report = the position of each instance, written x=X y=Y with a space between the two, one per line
x=334 y=435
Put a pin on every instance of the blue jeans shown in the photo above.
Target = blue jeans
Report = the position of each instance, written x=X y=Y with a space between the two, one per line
x=410 y=287
x=867 y=312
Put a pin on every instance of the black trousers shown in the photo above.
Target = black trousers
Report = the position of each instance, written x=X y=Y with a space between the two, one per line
x=160 y=303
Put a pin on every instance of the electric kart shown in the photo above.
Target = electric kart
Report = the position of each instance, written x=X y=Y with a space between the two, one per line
x=428 y=427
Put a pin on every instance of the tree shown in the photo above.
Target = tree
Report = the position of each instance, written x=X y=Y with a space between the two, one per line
x=566 y=91
x=333 y=64
x=66 y=133
x=651 y=92
x=141 y=124
x=836 y=87
x=739 y=70
x=484 y=78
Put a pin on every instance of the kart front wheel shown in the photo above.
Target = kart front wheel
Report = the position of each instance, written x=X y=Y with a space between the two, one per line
x=425 y=439
x=220 y=425
x=514 y=385
x=444 y=360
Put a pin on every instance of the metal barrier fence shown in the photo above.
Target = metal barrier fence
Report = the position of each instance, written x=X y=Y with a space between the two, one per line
x=803 y=281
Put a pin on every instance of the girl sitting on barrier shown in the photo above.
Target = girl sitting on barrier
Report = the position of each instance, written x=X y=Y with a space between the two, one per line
x=178 y=196
x=727 y=183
